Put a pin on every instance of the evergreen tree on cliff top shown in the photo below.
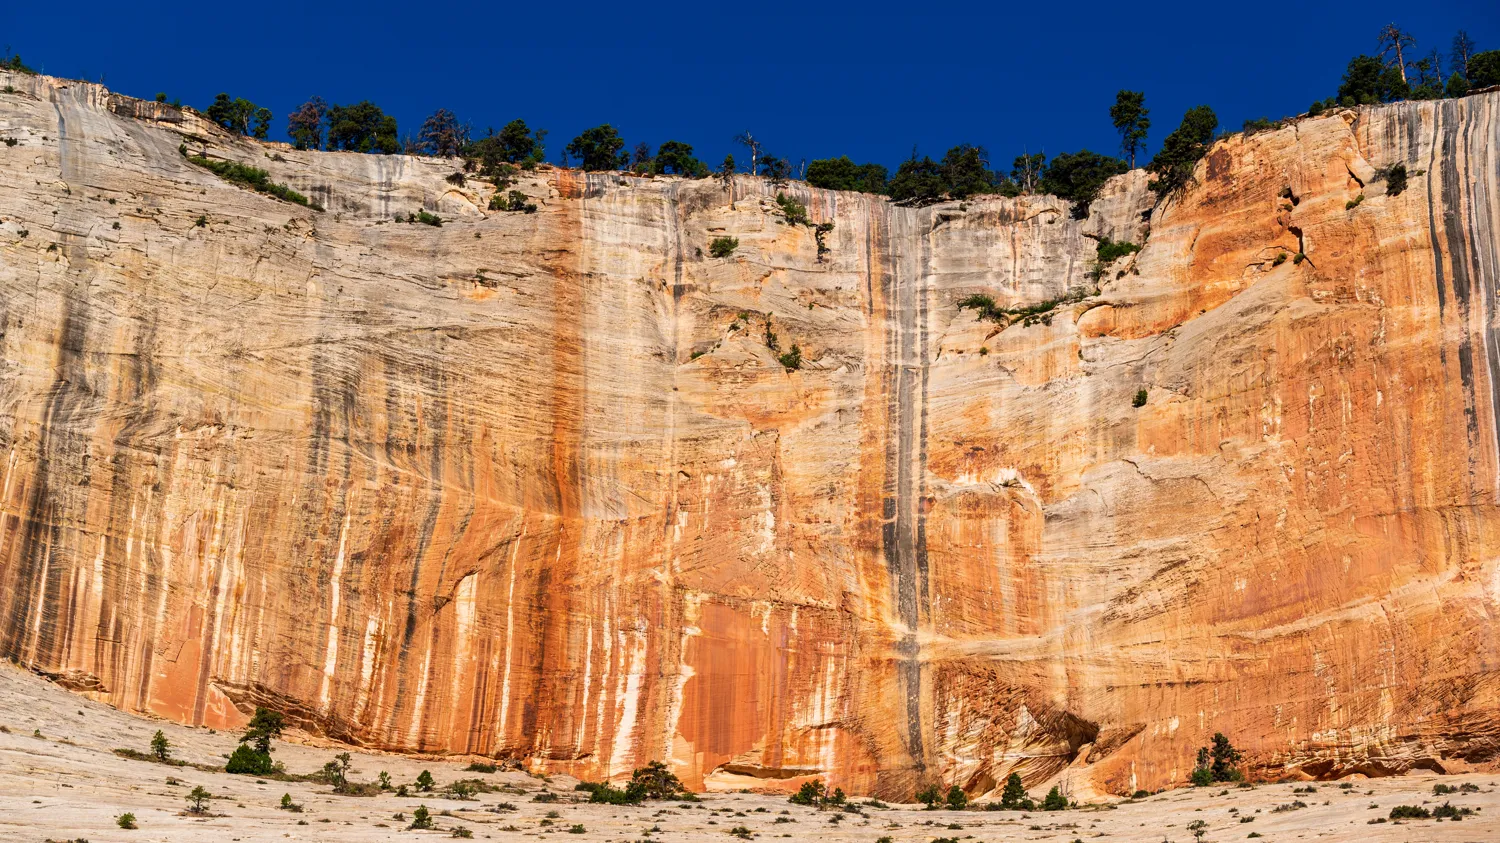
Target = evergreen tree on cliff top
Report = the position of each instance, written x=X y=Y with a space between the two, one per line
x=362 y=127
x=1179 y=153
x=599 y=148
x=1131 y=119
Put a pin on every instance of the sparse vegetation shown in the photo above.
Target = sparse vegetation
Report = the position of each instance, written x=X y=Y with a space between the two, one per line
x=1030 y=314
x=198 y=800
x=1354 y=203
x=1140 y=398
x=239 y=115
x=1217 y=763
x=1110 y=251
x=795 y=212
x=1410 y=812
x=957 y=800
x=1054 y=801
x=723 y=247
x=1014 y=796
x=421 y=818
x=1395 y=178
x=513 y=200
x=126 y=821
x=253 y=756
x=792 y=360
x=253 y=178
x=1180 y=152
x=288 y=805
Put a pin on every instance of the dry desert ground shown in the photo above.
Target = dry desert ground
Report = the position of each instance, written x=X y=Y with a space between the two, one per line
x=61 y=780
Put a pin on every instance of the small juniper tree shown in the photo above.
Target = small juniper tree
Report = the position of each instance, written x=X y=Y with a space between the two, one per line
x=160 y=748
x=421 y=818
x=723 y=247
x=337 y=772
x=1055 y=800
x=957 y=799
x=424 y=781
x=811 y=793
x=198 y=800
x=1014 y=795
x=1224 y=759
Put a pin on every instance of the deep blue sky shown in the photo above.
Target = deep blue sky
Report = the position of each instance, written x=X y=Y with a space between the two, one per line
x=813 y=79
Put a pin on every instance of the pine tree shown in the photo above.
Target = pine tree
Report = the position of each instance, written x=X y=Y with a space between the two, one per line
x=160 y=747
x=1394 y=42
x=1131 y=119
x=1014 y=794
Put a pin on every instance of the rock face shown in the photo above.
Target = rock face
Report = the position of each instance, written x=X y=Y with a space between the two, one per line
x=535 y=486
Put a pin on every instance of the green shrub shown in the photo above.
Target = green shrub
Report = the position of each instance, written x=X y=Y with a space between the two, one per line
x=1450 y=812
x=1140 y=401
x=1298 y=258
x=1054 y=801
x=15 y=63
x=515 y=200
x=1410 y=812
x=577 y=828
x=461 y=832
x=288 y=805
x=126 y=821
x=246 y=761
x=655 y=781
x=1110 y=251
x=604 y=793
x=481 y=767
x=254 y=178
x=424 y=781
x=1395 y=178
x=723 y=247
x=1354 y=203
x=929 y=796
x=792 y=360
x=794 y=211
x=463 y=789
x=420 y=818
x=740 y=831
x=1279 y=259
x=811 y=793
x=957 y=800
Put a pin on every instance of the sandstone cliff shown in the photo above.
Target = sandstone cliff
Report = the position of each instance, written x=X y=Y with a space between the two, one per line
x=535 y=487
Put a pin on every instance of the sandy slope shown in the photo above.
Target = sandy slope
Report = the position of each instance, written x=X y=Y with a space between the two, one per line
x=68 y=784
